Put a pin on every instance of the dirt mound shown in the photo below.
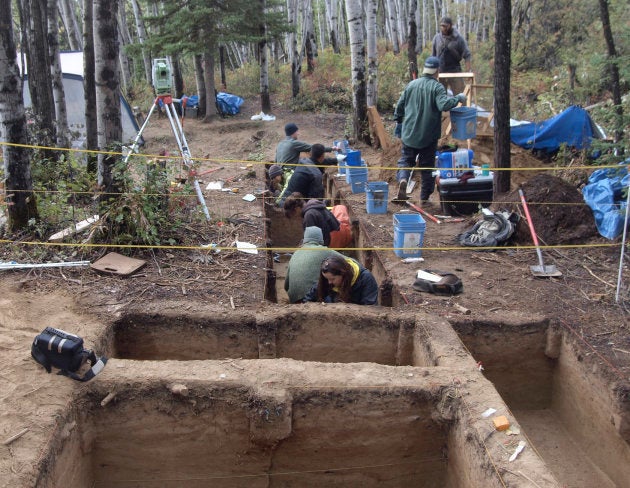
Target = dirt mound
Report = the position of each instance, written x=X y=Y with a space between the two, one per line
x=557 y=209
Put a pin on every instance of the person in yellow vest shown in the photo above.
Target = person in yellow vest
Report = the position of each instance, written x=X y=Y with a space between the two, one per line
x=344 y=280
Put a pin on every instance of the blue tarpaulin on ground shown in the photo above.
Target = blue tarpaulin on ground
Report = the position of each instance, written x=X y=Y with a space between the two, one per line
x=604 y=194
x=573 y=127
x=229 y=104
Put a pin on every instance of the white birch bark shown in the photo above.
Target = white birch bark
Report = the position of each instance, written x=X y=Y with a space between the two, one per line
x=61 y=114
x=142 y=37
x=354 y=14
x=392 y=25
x=71 y=23
x=372 y=53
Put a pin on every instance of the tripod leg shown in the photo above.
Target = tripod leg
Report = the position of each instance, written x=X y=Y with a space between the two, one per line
x=178 y=132
x=136 y=141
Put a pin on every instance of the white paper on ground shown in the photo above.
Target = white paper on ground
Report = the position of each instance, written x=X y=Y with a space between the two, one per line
x=249 y=197
x=246 y=247
x=215 y=185
x=428 y=276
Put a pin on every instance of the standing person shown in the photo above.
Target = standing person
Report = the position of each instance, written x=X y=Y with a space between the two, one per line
x=420 y=108
x=344 y=280
x=313 y=213
x=450 y=47
x=303 y=269
x=289 y=149
x=307 y=177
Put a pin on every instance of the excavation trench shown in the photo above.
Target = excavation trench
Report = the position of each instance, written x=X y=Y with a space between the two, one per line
x=338 y=395
x=557 y=394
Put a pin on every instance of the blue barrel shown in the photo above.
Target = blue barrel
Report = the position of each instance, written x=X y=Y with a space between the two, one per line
x=376 y=197
x=453 y=164
x=464 y=122
x=408 y=235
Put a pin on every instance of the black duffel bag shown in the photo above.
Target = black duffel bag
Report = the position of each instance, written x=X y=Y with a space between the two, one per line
x=64 y=351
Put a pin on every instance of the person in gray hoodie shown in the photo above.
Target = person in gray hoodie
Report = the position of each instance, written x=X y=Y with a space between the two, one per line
x=304 y=266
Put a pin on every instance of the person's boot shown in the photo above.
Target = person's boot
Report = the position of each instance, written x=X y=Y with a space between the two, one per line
x=402 y=190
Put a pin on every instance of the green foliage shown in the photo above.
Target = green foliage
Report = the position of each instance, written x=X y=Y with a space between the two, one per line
x=140 y=213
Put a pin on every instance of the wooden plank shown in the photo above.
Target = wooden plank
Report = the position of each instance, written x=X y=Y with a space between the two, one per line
x=377 y=127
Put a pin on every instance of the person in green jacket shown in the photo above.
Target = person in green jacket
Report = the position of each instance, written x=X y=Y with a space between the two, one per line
x=289 y=149
x=419 y=109
x=304 y=266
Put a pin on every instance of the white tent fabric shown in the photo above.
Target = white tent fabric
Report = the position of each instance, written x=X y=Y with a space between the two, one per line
x=72 y=68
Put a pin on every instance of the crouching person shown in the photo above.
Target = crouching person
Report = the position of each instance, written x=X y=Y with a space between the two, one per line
x=304 y=266
x=344 y=280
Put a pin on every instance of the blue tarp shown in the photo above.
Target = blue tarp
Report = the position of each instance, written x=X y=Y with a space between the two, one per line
x=229 y=104
x=604 y=193
x=572 y=127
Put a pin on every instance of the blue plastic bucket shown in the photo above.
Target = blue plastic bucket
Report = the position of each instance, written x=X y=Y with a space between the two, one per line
x=376 y=197
x=353 y=158
x=352 y=171
x=343 y=146
x=341 y=167
x=464 y=122
x=408 y=235
x=453 y=164
x=358 y=182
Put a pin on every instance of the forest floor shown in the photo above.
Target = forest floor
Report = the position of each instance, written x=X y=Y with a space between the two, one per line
x=581 y=300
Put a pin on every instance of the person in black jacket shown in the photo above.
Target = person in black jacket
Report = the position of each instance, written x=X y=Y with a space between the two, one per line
x=307 y=177
x=344 y=280
x=313 y=213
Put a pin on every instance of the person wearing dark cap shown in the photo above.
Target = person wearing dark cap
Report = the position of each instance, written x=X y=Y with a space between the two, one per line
x=419 y=109
x=307 y=177
x=289 y=149
x=277 y=179
x=450 y=47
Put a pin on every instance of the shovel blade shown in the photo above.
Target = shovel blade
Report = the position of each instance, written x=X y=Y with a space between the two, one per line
x=545 y=271
x=411 y=184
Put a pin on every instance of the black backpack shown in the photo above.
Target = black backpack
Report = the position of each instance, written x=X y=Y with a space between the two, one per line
x=62 y=350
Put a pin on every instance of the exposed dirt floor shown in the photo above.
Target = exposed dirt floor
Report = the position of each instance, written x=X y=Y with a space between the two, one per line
x=556 y=349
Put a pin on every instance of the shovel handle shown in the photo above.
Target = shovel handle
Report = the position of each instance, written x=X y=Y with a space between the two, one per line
x=529 y=218
x=425 y=213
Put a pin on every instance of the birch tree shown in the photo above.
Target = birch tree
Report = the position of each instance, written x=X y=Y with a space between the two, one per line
x=71 y=24
x=392 y=25
x=372 y=53
x=61 y=114
x=332 y=20
x=265 y=101
x=354 y=14
x=17 y=170
x=412 y=37
x=295 y=55
x=613 y=69
x=107 y=81
x=89 y=86
x=142 y=37
x=309 y=42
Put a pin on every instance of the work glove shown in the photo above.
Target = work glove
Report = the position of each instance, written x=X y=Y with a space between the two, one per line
x=461 y=98
x=398 y=130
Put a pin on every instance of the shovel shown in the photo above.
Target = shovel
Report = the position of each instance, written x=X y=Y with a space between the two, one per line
x=411 y=183
x=541 y=270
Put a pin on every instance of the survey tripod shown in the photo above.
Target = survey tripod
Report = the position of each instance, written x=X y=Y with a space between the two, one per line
x=182 y=144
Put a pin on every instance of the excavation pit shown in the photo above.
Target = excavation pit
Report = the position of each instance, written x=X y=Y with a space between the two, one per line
x=210 y=424
x=556 y=391
x=330 y=335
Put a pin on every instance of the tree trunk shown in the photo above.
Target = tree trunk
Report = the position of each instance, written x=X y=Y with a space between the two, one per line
x=354 y=13
x=201 y=84
x=310 y=43
x=61 y=114
x=178 y=79
x=613 y=69
x=106 y=71
x=332 y=20
x=89 y=87
x=294 y=55
x=142 y=37
x=124 y=38
x=71 y=24
x=222 y=67
x=263 y=56
x=502 y=61
x=412 y=57
x=372 y=54
x=392 y=24
x=33 y=21
x=208 y=73
x=17 y=169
